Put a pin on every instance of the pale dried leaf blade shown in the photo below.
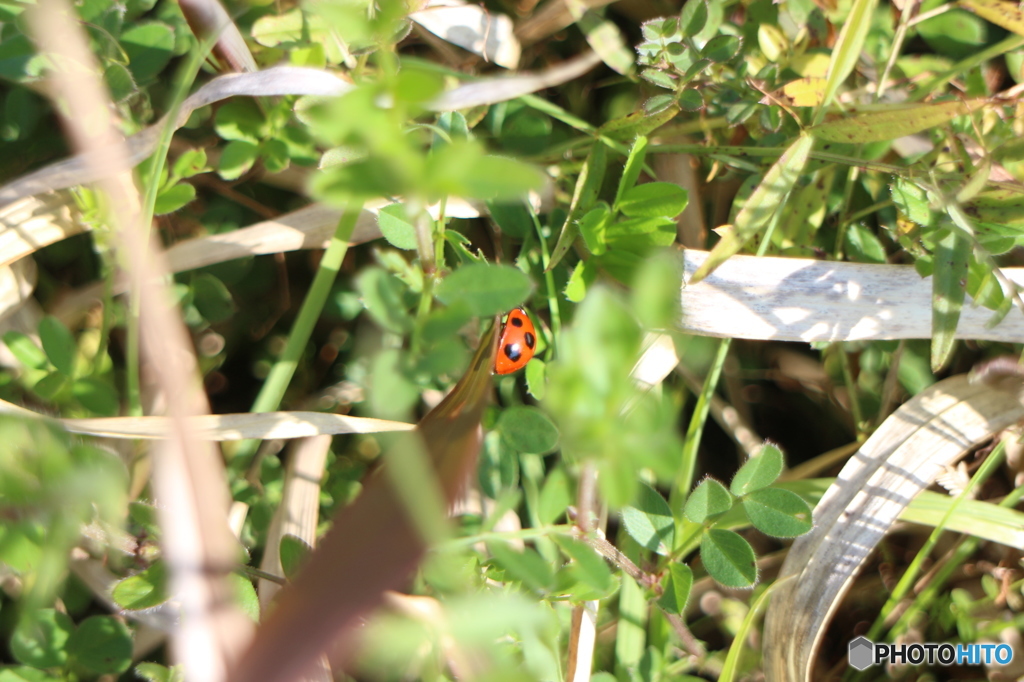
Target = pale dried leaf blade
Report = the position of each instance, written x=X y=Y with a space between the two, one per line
x=901 y=459
x=34 y=222
x=299 y=511
x=1000 y=12
x=473 y=28
x=800 y=299
x=224 y=427
x=495 y=90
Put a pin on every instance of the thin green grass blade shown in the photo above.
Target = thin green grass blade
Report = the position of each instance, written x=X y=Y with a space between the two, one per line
x=588 y=185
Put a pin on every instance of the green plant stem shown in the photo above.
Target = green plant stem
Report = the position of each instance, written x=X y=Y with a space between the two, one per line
x=903 y=587
x=1008 y=44
x=851 y=388
x=549 y=279
x=186 y=76
x=281 y=374
x=688 y=463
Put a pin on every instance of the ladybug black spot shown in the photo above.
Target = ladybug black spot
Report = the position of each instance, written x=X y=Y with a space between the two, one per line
x=516 y=322
x=530 y=340
x=512 y=351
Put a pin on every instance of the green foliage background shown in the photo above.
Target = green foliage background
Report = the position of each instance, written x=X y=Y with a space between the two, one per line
x=791 y=113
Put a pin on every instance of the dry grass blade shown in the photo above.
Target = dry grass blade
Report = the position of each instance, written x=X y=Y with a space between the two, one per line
x=189 y=478
x=16 y=284
x=473 y=28
x=208 y=19
x=90 y=166
x=495 y=90
x=797 y=299
x=373 y=545
x=901 y=459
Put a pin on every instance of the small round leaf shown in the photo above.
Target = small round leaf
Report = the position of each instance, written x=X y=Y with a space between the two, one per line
x=101 y=645
x=777 y=512
x=708 y=499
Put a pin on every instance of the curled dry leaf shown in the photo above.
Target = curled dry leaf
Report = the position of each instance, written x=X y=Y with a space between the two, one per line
x=798 y=299
x=903 y=457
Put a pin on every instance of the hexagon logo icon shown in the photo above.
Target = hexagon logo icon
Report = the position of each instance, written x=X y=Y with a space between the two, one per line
x=862 y=653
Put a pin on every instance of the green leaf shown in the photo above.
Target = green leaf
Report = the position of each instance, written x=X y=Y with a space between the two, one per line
x=634 y=166
x=949 y=280
x=240 y=120
x=154 y=672
x=527 y=429
x=912 y=201
x=245 y=596
x=847 y=51
x=486 y=289
x=894 y=122
x=776 y=512
x=584 y=274
x=40 y=638
x=693 y=17
x=397 y=228
x=771 y=195
x=25 y=350
x=498 y=178
x=383 y=296
x=212 y=298
x=143 y=590
x=760 y=471
x=96 y=396
x=191 y=162
x=535 y=378
x=721 y=48
x=676 y=588
x=236 y=159
x=649 y=521
x=555 y=497
x=593 y=227
x=102 y=645
x=862 y=246
x=173 y=198
x=292 y=552
x=512 y=217
x=631 y=126
x=526 y=566
x=691 y=100
x=589 y=567
x=149 y=47
x=498 y=470
x=59 y=344
x=728 y=558
x=588 y=187
x=23 y=673
x=50 y=385
x=120 y=81
x=710 y=498
x=652 y=200
x=655 y=291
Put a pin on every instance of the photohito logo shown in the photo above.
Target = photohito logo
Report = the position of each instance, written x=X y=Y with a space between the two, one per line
x=864 y=653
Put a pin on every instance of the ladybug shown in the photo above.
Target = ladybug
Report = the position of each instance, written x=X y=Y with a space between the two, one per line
x=517 y=343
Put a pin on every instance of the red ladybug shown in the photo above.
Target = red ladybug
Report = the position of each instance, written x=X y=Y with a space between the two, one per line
x=517 y=343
